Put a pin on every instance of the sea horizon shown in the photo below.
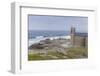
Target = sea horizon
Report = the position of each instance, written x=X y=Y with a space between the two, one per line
x=49 y=33
x=46 y=33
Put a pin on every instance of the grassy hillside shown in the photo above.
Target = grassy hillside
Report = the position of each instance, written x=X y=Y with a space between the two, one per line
x=70 y=53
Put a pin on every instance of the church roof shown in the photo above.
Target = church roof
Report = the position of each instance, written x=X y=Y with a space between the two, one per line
x=81 y=34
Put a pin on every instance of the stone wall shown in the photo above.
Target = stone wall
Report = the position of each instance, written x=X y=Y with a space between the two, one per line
x=79 y=41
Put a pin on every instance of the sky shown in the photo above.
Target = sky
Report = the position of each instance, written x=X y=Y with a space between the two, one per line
x=57 y=23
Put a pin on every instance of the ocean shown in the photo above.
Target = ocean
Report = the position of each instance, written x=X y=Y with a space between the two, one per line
x=35 y=34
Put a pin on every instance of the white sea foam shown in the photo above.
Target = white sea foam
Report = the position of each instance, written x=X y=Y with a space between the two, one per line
x=39 y=38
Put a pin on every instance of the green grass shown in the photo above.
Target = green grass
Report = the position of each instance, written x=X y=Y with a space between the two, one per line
x=57 y=54
x=38 y=57
x=71 y=53
x=78 y=52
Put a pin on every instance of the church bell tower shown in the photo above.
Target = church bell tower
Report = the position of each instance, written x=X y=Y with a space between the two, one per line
x=72 y=33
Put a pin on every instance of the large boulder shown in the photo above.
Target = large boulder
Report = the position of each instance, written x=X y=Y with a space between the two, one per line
x=36 y=46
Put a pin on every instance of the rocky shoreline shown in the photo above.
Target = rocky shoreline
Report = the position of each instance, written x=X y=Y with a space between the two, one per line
x=60 y=48
x=58 y=45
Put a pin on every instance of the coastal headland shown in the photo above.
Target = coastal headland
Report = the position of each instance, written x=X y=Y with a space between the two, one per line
x=57 y=48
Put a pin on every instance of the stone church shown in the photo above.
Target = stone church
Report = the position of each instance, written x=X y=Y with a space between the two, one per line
x=78 y=39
